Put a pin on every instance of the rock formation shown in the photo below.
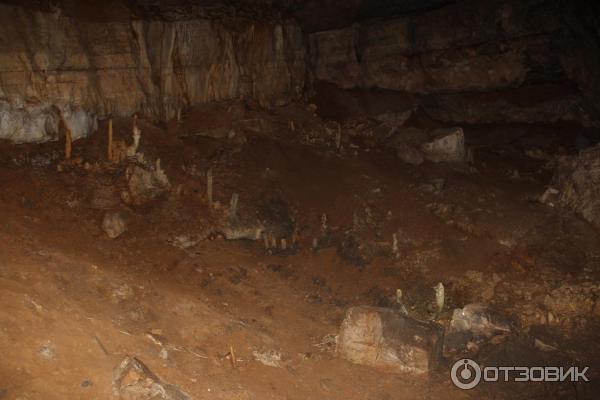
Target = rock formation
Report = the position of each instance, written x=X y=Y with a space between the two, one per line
x=473 y=61
x=126 y=65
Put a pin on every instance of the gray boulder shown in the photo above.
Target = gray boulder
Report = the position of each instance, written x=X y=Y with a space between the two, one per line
x=385 y=339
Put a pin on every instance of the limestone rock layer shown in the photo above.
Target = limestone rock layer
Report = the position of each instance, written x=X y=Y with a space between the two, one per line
x=152 y=67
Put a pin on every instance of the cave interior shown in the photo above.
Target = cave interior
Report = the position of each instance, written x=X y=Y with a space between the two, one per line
x=299 y=199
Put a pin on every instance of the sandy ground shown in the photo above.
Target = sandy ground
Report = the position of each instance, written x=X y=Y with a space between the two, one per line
x=74 y=303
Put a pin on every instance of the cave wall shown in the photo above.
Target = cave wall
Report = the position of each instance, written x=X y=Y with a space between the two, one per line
x=472 y=61
x=49 y=62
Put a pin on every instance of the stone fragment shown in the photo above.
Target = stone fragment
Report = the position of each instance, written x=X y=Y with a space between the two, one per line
x=447 y=145
x=47 y=352
x=474 y=322
x=114 y=224
x=385 y=339
x=144 y=183
x=132 y=380
x=270 y=358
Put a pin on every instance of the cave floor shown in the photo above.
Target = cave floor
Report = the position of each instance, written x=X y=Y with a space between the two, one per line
x=74 y=303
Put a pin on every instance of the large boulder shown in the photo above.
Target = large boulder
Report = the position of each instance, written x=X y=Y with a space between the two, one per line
x=447 y=145
x=385 y=339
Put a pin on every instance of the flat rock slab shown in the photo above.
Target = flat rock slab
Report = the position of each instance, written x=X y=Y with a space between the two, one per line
x=385 y=339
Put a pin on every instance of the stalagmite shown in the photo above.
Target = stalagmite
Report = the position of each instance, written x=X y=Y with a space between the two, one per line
x=137 y=135
x=233 y=206
x=68 y=143
x=209 y=187
x=110 y=141
x=439 y=296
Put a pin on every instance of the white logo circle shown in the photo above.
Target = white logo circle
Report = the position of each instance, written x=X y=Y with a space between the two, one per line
x=469 y=375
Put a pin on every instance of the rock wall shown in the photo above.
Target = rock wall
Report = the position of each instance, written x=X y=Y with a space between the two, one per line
x=459 y=51
x=153 y=67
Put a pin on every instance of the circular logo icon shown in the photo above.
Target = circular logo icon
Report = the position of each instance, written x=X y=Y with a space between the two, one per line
x=465 y=374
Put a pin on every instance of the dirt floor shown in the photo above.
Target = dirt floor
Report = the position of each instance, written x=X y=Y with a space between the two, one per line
x=174 y=292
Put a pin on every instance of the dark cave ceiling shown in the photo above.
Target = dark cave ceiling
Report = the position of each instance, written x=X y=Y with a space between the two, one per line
x=313 y=15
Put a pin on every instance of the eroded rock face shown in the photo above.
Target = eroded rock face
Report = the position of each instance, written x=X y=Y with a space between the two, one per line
x=467 y=58
x=35 y=121
x=153 y=67
x=411 y=53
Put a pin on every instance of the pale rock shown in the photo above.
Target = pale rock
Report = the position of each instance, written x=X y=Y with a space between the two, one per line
x=385 y=339
x=113 y=224
x=474 y=322
x=80 y=122
x=145 y=183
x=447 y=145
x=36 y=122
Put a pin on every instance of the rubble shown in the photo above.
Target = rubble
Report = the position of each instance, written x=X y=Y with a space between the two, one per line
x=414 y=145
x=385 y=339
x=571 y=301
x=133 y=380
x=144 y=183
x=578 y=180
x=271 y=358
x=474 y=321
x=447 y=145
x=113 y=224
